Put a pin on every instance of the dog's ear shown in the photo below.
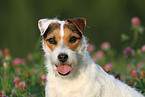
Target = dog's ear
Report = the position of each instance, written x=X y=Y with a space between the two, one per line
x=80 y=23
x=43 y=25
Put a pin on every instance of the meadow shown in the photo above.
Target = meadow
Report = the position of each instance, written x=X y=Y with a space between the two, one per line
x=26 y=77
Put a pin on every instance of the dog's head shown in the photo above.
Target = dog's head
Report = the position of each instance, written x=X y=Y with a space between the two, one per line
x=63 y=42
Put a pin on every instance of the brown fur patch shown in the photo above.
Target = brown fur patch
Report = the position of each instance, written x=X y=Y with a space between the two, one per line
x=80 y=23
x=68 y=34
x=51 y=28
x=73 y=28
x=54 y=34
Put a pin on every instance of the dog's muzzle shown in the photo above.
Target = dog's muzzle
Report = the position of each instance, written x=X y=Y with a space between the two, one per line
x=63 y=69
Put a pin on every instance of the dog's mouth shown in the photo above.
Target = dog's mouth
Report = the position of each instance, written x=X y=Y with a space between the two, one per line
x=63 y=69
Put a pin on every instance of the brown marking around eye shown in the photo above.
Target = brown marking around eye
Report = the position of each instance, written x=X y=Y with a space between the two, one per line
x=54 y=34
x=73 y=28
x=66 y=38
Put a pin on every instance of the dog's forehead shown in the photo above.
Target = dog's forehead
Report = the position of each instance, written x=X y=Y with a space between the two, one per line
x=65 y=28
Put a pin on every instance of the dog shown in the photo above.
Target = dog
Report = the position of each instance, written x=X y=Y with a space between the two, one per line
x=71 y=71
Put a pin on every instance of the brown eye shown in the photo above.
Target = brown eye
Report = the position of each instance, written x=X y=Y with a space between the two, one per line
x=73 y=39
x=52 y=41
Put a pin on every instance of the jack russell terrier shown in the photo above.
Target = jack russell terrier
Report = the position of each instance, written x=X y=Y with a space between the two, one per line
x=71 y=71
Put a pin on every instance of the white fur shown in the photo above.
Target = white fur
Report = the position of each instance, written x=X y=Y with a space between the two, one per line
x=86 y=79
x=62 y=31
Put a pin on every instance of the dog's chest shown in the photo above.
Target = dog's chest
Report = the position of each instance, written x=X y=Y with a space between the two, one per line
x=61 y=92
x=78 y=88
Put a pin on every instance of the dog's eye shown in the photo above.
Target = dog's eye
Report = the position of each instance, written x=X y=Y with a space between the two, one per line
x=73 y=39
x=52 y=41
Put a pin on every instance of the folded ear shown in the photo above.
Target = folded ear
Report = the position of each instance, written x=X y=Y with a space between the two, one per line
x=43 y=25
x=80 y=23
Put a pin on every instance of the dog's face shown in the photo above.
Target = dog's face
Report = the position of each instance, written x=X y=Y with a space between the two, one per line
x=61 y=42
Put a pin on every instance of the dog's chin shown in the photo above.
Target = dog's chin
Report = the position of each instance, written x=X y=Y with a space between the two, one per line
x=63 y=70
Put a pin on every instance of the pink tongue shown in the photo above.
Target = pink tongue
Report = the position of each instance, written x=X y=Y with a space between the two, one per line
x=63 y=69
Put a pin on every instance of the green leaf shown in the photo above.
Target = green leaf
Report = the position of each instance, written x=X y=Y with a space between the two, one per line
x=141 y=30
x=124 y=37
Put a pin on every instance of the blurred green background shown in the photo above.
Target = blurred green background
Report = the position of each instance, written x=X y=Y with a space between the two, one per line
x=106 y=20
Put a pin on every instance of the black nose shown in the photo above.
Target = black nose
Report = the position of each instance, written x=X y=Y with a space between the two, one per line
x=62 y=57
